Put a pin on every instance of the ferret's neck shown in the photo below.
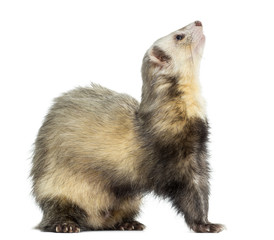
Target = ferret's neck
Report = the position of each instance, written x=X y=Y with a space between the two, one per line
x=169 y=102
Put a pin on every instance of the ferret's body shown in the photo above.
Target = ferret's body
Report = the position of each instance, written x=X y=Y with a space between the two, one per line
x=86 y=149
x=98 y=152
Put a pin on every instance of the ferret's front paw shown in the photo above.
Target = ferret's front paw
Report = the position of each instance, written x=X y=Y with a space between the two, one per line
x=67 y=228
x=129 y=226
x=207 y=228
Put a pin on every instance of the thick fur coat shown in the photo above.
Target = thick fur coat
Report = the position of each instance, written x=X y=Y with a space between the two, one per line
x=98 y=152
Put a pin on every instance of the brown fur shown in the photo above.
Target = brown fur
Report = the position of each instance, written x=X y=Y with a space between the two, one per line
x=76 y=164
x=98 y=152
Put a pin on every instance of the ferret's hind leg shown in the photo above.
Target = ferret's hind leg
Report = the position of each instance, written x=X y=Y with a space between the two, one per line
x=126 y=214
x=62 y=216
x=130 y=226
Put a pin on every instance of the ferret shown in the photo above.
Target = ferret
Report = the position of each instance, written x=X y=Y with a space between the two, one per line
x=98 y=152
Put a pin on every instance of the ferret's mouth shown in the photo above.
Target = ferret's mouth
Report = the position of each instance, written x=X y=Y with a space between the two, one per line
x=201 y=40
x=198 y=37
x=198 y=45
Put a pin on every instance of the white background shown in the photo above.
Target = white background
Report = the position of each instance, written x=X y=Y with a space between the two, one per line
x=48 y=47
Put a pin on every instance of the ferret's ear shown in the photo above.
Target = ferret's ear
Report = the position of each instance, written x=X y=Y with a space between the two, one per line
x=159 y=57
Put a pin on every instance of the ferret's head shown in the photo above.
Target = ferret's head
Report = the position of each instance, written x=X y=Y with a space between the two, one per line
x=178 y=53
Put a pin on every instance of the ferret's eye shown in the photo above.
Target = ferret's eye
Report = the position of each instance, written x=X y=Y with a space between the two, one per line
x=180 y=37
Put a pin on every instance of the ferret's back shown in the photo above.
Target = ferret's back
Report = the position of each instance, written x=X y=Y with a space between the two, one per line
x=88 y=128
x=94 y=101
x=94 y=107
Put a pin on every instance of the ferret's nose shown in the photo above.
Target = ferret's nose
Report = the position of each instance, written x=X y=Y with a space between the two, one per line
x=198 y=24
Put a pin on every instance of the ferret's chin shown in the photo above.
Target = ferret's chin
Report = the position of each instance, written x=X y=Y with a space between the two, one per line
x=199 y=47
